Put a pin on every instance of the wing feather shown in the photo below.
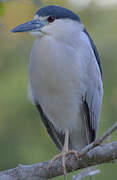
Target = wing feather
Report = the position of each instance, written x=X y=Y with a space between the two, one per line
x=93 y=99
x=57 y=138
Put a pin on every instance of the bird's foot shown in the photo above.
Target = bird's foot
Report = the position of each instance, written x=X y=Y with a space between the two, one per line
x=63 y=155
x=76 y=154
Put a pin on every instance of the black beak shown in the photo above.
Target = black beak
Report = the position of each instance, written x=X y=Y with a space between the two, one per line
x=33 y=25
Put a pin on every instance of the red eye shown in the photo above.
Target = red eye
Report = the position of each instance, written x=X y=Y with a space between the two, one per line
x=50 y=19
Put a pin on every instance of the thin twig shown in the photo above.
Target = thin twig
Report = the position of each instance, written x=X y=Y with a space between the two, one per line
x=98 y=141
x=90 y=171
x=107 y=133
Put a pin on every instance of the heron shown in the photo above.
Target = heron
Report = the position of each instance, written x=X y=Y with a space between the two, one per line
x=65 y=78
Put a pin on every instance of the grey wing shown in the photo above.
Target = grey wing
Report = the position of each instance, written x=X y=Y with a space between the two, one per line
x=91 y=109
x=93 y=100
x=57 y=138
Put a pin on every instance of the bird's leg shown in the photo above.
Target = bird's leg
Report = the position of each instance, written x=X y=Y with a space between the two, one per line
x=64 y=153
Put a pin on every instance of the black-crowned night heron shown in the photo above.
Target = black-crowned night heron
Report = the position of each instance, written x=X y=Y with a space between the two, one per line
x=65 y=77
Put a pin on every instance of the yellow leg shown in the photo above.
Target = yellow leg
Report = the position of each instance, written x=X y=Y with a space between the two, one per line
x=64 y=153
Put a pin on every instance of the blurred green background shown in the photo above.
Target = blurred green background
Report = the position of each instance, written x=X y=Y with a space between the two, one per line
x=23 y=138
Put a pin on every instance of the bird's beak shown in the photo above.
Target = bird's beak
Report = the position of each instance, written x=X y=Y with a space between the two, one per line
x=30 y=26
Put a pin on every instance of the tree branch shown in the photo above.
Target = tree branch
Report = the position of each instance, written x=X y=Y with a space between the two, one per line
x=89 y=156
x=90 y=171
x=98 y=141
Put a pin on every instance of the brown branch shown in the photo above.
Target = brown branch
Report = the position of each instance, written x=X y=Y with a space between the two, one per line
x=90 y=156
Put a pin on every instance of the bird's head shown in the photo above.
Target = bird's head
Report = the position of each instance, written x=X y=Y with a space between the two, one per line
x=51 y=20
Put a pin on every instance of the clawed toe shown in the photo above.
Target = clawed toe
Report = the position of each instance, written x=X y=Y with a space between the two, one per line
x=73 y=152
x=63 y=155
x=54 y=159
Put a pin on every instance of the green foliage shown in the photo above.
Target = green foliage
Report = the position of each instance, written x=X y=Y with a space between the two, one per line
x=2 y=9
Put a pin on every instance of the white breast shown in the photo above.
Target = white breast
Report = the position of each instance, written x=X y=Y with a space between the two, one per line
x=57 y=81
